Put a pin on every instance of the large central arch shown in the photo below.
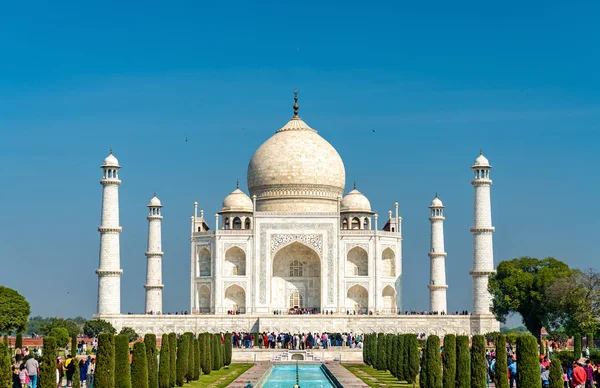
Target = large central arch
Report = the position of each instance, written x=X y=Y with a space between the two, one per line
x=296 y=280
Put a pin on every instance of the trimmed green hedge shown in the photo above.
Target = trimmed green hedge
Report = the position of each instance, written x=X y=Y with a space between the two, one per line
x=381 y=363
x=47 y=377
x=400 y=360
x=173 y=359
x=449 y=362
x=577 y=345
x=122 y=368
x=228 y=348
x=164 y=366
x=412 y=346
x=528 y=366
x=19 y=341
x=478 y=362
x=139 y=366
x=104 y=377
x=500 y=375
x=205 y=349
x=150 y=342
x=434 y=362
x=182 y=360
x=463 y=362
x=5 y=366
x=556 y=375
x=189 y=373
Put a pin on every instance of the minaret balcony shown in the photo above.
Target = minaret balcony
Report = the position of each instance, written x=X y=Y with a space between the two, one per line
x=110 y=181
x=109 y=272
x=110 y=229
x=437 y=254
x=483 y=229
x=153 y=254
x=437 y=287
x=481 y=182
x=482 y=272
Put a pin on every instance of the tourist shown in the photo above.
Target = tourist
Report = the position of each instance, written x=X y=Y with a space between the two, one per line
x=33 y=368
x=512 y=370
x=90 y=372
x=23 y=376
x=82 y=372
x=579 y=377
x=16 y=380
x=589 y=374
x=70 y=364
x=59 y=369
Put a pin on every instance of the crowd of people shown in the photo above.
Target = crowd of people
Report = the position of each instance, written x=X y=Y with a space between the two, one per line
x=296 y=341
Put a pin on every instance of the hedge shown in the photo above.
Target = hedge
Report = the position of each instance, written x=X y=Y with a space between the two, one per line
x=164 y=367
x=19 y=341
x=577 y=345
x=104 y=377
x=381 y=352
x=479 y=364
x=205 y=349
x=400 y=360
x=590 y=341
x=365 y=349
x=182 y=360
x=434 y=362
x=449 y=362
x=5 y=366
x=500 y=375
x=139 y=366
x=217 y=358
x=407 y=360
x=150 y=342
x=122 y=369
x=76 y=375
x=463 y=362
x=47 y=377
x=189 y=373
x=228 y=348
x=197 y=359
x=173 y=359
x=412 y=345
x=393 y=348
x=565 y=357
x=528 y=367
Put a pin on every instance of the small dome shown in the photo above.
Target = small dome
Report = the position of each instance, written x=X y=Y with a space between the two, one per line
x=154 y=202
x=111 y=161
x=237 y=201
x=436 y=202
x=355 y=202
x=481 y=161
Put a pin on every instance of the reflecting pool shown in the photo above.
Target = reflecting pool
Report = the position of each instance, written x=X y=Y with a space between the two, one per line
x=284 y=376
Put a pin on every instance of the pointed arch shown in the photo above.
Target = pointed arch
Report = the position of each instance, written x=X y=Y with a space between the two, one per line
x=357 y=262
x=235 y=298
x=388 y=263
x=203 y=299
x=235 y=262
x=357 y=299
x=204 y=262
x=389 y=299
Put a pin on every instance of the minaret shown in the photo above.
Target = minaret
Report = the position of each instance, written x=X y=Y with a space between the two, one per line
x=109 y=271
x=482 y=229
x=437 y=281
x=154 y=254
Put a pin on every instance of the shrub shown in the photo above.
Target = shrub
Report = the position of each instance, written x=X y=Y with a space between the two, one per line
x=189 y=373
x=214 y=350
x=400 y=360
x=556 y=375
x=131 y=334
x=365 y=348
x=501 y=378
x=577 y=345
x=463 y=362
x=139 y=366
x=528 y=367
x=449 y=361
x=76 y=376
x=590 y=340
x=205 y=349
x=19 y=341
x=164 y=368
x=182 y=360
x=565 y=358
x=5 y=366
x=393 y=351
x=48 y=365
x=104 y=377
x=122 y=369
x=479 y=364
x=173 y=359
x=407 y=360
x=150 y=342
x=412 y=346
x=197 y=358
x=228 y=348
x=381 y=352
x=434 y=362
x=61 y=335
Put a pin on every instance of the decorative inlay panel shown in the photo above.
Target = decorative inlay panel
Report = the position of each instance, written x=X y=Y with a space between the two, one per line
x=351 y=246
x=242 y=246
x=234 y=283
x=386 y=246
x=349 y=285
x=312 y=240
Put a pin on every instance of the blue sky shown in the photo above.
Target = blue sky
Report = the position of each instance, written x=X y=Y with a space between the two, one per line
x=435 y=81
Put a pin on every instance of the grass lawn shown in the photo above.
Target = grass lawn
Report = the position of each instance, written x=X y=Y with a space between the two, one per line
x=220 y=378
x=373 y=377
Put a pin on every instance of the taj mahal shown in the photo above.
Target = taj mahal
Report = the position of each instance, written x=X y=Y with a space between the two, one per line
x=298 y=252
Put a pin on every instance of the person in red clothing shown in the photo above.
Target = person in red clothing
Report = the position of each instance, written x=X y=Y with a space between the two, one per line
x=589 y=374
x=579 y=375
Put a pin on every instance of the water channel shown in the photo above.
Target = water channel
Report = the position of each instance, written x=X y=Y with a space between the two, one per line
x=309 y=375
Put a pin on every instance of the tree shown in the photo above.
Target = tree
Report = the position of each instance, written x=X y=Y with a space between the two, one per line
x=104 y=376
x=139 y=366
x=433 y=362
x=189 y=374
x=61 y=335
x=393 y=348
x=182 y=360
x=381 y=352
x=521 y=286
x=14 y=311
x=216 y=352
x=76 y=375
x=556 y=375
x=47 y=377
x=449 y=361
x=500 y=375
x=577 y=345
x=5 y=366
x=44 y=326
x=528 y=367
x=365 y=349
x=205 y=347
x=19 y=341
x=463 y=362
x=228 y=348
x=150 y=342
x=590 y=340
x=173 y=359
x=400 y=360
x=130 y=333
x=412 y=345
x=197 y=359
x=559 y=337
x=164 y=368
x=122 y=368
x=478 y=362
x=94 y=327
x=407 y=360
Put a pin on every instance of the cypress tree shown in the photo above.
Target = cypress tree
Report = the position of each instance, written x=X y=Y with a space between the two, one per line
x=400 y=358
x=590 y=341
x=380 y=364
x=122 y=368
x=5 y=366
x=463 y=362
x=406 y=357
x=104 y=377
x=365 y=348
x=556 y=374
x=182 y=360
x=478 y=362
x=206 y=353
x=412 y=345
x=216 y=356
x=164 y=367
x=189 y=373
x=19 y=341
x=500 y=375
x=528 y=367
x=434 y=362
x=423 y=373
x=393 y=347
x=577 y=345
x=228 y=348
x=197 y=359
x=150 y=342
x=173 y=359
x=76 y=376
x=48 y=365
x=139 y=366
x=449 y=361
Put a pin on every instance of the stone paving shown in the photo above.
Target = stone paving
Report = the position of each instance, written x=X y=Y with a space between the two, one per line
x=253 y=374
x=344 y=376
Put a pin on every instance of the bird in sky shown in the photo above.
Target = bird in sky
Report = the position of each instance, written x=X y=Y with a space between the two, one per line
x=373 y=131
x=186 y=139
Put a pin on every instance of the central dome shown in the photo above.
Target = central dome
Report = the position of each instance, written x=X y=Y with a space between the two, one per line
x=296 y=170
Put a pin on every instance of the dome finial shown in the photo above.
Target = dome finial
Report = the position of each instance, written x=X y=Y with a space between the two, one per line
x=354 y=185
x=237 y=183
x=111 y=150
x=436 y=194
x=296 y=106
x=481 y=151
x=155 y=193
